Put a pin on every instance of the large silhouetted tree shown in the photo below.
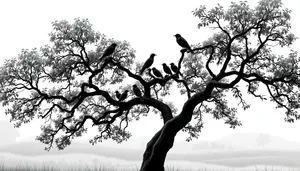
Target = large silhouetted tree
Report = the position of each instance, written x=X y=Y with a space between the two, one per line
x=66 y=84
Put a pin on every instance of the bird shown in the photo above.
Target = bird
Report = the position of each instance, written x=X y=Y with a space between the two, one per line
x=109 y=50
x=118 y=95
x=136 y=90
x=167 y=69
x=157 y=73
x=148 y=63
x=175 y=68
x=182 y=42
x=123 y=95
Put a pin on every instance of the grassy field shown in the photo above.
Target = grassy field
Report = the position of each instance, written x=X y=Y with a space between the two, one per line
x=4 y=167
x=88 y=162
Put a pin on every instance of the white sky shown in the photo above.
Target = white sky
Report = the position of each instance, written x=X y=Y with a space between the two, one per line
x=149 y=26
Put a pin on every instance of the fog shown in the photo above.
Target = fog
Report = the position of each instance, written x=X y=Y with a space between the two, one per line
x=241 y=151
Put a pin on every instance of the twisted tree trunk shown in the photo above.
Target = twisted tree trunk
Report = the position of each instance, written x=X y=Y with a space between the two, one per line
x=158 y=147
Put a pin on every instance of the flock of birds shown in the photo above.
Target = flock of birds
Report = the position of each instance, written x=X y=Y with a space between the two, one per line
x=148 y=63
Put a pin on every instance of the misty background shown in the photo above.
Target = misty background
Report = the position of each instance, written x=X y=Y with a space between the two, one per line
x=236 y=151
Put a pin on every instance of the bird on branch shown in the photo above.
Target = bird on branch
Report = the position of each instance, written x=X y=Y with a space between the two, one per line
x=167 y=69
x=175 y=68
x=136 y=90
x=109 y=51
x=118 y=94
x=124 y=95
x=157 y=73
x=182 y=42
x=148 y=63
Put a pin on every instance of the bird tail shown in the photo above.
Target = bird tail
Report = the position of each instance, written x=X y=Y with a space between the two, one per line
x=142 y=71
x=102 y=58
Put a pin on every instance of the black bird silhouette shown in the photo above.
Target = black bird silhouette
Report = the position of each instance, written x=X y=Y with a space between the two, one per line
x=175 y=68
x=182 y=42
x=123 y=95
x=157 y=73
x=167 y=69
x=109 y=51
x=148 y=63
x=118 y=94
x=136 y=90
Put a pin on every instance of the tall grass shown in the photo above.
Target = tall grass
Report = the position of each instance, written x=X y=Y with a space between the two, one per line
x=45 y=167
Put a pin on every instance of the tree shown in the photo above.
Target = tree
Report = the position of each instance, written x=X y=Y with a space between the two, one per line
x=82 y=87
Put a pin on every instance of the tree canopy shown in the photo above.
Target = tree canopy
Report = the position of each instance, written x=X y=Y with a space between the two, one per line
x=65 y=82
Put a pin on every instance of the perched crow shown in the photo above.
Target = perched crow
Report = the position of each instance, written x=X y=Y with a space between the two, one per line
x=118 y=95
x=109 y=50
x=148 y=63
x=136 y=91
x=182 y=42
x=167 y=69
x=175 y=68
x=157 y=72
x=123 y=95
